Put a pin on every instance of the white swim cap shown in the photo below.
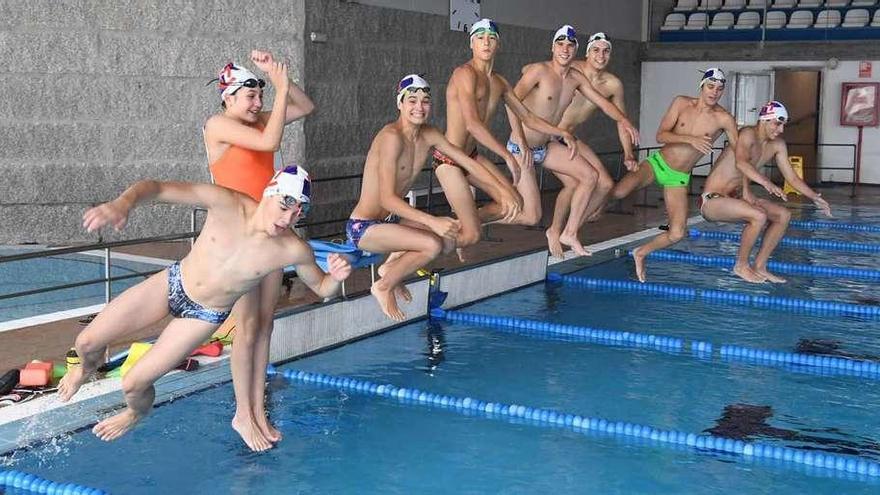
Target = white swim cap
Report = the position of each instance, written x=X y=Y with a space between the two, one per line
x=232 y=77
x=598 y=38
x=411 y=83
x=292 y=182
x=773 y=110
x=713 y=74
x=485 y=26
x=565 y=32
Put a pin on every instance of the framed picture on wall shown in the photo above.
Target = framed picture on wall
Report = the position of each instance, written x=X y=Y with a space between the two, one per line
x=860 y=104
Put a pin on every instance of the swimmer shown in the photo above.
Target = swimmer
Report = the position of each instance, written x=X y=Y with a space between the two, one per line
x=687 y=132
x=734 y=169
x=241 y=142
x=240 y=243
x=594 y=68
x=547 y=89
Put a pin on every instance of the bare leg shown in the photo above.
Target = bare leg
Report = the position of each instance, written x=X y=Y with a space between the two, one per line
x=461 y=199
x=175 y=343
x=560 y=214
x=676 y=208
x=419 y=248
x=633 y=181
x=400 y=290
x=778 y=218
x=492 y=211
x=270 y=290
x=557 y=160
x=247 y=319
x=604 y=182
x=531 y=195
x=733 y=210
x=140 y=306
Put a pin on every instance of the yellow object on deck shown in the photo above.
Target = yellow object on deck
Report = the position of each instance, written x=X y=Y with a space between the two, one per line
x=797 y=164
x=135 y=352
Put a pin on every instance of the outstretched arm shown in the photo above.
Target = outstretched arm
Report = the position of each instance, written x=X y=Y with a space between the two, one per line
x=626 y=144
x=604 y=104
x=322 y=284
x=784 y=165
x=116 y=212
x=299 y=104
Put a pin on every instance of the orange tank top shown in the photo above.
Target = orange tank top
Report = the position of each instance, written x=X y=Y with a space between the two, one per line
x=243 y=170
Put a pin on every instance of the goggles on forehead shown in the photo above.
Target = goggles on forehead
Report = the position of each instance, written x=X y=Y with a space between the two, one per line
x=250 y=83
x=290 y=202
x=598 y=37
x=714 y=75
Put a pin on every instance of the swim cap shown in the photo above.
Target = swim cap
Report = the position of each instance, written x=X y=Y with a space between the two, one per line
x=293 y=183
x=566 y=32
x=411 y=83
x=598 y=38
x=773 y=110
x=233 y=77
x=485 y=26
x=713 y=74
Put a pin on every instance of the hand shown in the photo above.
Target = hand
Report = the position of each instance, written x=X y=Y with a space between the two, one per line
x=571 y=142
x=775 y=190
x=823 y=206
x=701 y=144
x=630 y=163
x=747 y=196
x=445 y=227
x=338 y=267
x=511 y=205
x=526 y=159
x=627 y=127
x=277 y=73
x=514 y=168
x=114 y=213
x=263 y=60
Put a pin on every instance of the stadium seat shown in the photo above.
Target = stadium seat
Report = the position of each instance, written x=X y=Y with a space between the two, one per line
x=673 y=22
x=748 y=20
x=722 y=20
x=734 y=4
x=685 y=5
x=800 y=19
x=784 y=4
x=809 y=4
x=758 y=4
x=827 y=19
x=836 y=3
x=856 y=18
x=696 y=22
x=863 y=3
x=876 y=21
x=775 y=19
x=710 y=5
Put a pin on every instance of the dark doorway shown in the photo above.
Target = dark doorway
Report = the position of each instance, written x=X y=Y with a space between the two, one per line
x=799 y=90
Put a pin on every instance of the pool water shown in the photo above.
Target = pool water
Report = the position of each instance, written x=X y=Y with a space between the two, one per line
x=24 y=275
x=346 y=442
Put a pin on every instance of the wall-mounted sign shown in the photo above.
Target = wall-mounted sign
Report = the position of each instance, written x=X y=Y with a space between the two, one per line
x=865 y=69
x=860 y=104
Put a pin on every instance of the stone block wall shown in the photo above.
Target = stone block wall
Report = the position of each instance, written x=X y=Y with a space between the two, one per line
x=353 y=76
x=96 y=94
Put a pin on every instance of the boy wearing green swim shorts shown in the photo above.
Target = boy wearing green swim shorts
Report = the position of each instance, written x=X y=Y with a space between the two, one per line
x=687 y=132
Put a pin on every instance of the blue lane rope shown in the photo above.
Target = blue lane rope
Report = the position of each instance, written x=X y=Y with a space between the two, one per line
x=850 y=227
x=739 y=298
x=826 y=244
x=776 y=266
x=557 y=419
x=699 y=349
x=595 y=335
x=35 y=484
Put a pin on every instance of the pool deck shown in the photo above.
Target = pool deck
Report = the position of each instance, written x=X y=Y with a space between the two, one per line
x=513 y=257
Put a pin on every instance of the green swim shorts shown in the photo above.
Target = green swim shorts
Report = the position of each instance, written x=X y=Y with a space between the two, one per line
x=667 y=176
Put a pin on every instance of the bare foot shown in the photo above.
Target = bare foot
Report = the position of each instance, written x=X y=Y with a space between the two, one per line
x=251 y=434
x=747 y=274
x=71 y=382
x=402 y=292
x=596 y=215
x=387 y=302
x=270 y=432
x=553 y=243
x=115 y=426
x=640 y=264
x=776 y=279
x=575 y=244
